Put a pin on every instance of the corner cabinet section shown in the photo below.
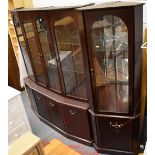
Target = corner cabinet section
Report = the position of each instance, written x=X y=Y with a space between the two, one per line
x=122 y=134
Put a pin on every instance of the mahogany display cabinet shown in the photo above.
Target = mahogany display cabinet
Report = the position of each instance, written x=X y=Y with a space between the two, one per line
x=84 y=71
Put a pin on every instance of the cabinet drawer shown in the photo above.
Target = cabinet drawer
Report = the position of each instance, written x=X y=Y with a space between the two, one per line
x=114 y=133
x=76 y=121
x=14 y=114
x=13 y=107
x=17 y=132
x=14 y=122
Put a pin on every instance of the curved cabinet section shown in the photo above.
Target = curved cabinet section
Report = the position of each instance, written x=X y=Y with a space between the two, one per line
x=65 y=115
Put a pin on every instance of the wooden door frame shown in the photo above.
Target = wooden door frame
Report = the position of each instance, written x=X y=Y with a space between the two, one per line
x=22 y=17
x=25 y=40
x=57 y=14
x=127 y=15
x=44 y=15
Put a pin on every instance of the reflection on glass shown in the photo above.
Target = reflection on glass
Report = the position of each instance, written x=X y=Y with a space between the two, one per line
x=70 y=55
x=23 y=47
x=110 y=46
x=48 y=53
x=34 y=51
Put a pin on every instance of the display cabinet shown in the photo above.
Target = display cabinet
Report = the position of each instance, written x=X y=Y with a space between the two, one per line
x=84 y=67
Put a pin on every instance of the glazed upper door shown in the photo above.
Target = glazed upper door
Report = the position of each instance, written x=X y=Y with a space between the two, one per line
x=47 y=48
x=109 y=49
x=34 y=51
x=69 y=53
x=22 y=45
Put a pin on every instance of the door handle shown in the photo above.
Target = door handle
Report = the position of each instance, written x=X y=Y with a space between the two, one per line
x=72 y=112
x=92 y=71
x=52 y=104
x=115 y=125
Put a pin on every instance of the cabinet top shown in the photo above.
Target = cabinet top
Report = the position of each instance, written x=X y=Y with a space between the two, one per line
x=88 y=6
x=112 y=4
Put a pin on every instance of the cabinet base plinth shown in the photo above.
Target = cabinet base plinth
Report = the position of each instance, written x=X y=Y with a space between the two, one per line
x=115 y=152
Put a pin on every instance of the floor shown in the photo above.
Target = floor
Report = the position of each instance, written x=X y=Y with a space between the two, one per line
x=46 y=133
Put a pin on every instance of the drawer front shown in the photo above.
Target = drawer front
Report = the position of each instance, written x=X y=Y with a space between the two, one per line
x=14 y=122
x=42 y=105
x=114 y=133
x=13 y=107
x=17 y=132
x=76 y=122
x=55 y=115
x=14 y=114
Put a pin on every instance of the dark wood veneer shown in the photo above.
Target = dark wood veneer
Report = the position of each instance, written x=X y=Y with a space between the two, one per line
x=112 y=130
x=56 y=97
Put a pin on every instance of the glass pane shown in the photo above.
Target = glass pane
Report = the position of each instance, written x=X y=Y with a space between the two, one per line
x=70 y=55
x=23 y=48
x=34 y=52
x=110 y=46
x=48 y=53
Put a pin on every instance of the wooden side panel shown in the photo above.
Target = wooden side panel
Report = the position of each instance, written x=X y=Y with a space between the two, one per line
x=138 y=23
x=13 y=70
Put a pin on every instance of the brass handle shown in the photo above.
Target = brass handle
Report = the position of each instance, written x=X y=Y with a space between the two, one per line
x=52 y=104
x=92 y=71
x=116 y=125
x=40 y=54
x=72 y=112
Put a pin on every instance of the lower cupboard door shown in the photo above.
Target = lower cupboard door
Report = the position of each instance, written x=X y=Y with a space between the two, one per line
x=115 y=133
x=42 y=105
x=55 y=115
x=76 y=122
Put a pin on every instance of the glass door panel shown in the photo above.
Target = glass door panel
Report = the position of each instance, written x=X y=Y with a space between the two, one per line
x=34 y=51
x=48 y=53
x=70 y=55
x=110 y=50
x=23 y=47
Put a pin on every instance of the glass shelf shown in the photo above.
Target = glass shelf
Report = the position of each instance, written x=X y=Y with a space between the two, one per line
x=110 y=46
x=68 y=43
